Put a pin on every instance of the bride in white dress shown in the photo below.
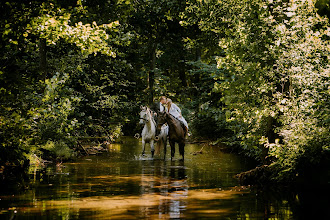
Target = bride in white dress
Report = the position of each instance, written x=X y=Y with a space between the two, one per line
x=175 y=111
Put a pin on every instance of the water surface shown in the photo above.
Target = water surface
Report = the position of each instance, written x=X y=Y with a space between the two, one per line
x=121 y=184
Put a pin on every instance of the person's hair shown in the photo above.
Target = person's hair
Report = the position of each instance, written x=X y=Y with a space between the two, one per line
x=169 y=103
x=162 y=98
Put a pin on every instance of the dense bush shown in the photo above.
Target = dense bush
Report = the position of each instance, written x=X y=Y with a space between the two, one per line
x=278 y=91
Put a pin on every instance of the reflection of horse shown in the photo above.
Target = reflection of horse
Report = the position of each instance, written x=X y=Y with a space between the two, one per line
x=176 y=132
x=164 y=189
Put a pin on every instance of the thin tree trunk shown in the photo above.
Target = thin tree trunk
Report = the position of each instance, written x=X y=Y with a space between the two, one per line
x=198 y=54
x=151 y=77
x=196 y=77
x=43 y=58
x=182 y=73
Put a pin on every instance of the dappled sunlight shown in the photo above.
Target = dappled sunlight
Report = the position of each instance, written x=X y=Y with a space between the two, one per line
x=171 y=203
x=212 y=194
x=114 y=147
x=116 y=185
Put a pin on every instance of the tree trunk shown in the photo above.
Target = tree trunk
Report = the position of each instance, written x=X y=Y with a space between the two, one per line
x=196 y=77
x=43 y=58
x=182 y=72
x=198 y=54
x=151 y=77
x=270 y=134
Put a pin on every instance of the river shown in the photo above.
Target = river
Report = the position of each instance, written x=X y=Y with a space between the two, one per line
x=121 y=184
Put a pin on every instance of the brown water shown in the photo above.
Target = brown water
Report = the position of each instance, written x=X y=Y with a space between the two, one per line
x=120 y=184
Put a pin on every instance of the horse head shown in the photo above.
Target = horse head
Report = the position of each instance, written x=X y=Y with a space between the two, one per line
x=161 y=119
x=144 y=117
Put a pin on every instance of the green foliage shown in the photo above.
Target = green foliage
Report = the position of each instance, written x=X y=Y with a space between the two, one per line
x=52 y=120
x=13 y=141
x=254 y=74
x=58 y=149
x=278 y=86
x=41 y=106
x=54 y=24
x=206 y=115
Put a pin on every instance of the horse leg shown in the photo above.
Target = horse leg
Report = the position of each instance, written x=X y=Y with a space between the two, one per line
x=143 y=146
x=172 y=144
x=181 y=150
x=152 y=148
x=164 y=143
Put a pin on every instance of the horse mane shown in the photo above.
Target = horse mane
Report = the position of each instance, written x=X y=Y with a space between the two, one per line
x=151 y=118
x=148 y=112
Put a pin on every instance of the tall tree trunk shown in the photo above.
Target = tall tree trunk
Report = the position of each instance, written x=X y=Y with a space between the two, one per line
x=182 y=72
x=43 y=58
x=151 y=77
x=196 y=77
x=198 y=54
x=271 y=135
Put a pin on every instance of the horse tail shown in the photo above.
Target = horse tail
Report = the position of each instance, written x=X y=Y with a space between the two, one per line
x=157 y=148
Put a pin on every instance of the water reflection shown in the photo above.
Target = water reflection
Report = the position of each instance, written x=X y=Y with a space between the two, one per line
x=171 y=185
x=121 y=185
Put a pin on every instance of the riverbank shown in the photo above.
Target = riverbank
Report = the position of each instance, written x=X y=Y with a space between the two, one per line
x=306 y=176
x=15 y=178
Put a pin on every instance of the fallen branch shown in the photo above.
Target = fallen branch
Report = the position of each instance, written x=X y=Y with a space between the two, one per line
x=257 y=176
x=82 y=147
x=198 y=152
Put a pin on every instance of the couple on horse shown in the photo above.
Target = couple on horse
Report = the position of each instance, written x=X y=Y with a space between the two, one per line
x=161 y=121
x=166 y=104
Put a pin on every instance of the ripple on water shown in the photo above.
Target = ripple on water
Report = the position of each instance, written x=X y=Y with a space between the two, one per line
x=123 y=184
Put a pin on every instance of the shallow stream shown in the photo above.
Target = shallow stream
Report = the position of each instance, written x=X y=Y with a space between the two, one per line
x=121 y=184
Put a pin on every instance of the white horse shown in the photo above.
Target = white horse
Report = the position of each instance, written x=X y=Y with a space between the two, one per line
x=149 y=132
x=149 y=129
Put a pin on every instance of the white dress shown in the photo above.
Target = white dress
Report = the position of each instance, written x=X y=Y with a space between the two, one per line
x=161 y=107
x=176 y=112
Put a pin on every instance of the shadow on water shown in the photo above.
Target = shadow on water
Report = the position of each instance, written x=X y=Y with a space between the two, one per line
x=121 y=184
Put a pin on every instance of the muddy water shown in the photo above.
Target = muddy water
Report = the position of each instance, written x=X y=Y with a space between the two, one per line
x=120 y=184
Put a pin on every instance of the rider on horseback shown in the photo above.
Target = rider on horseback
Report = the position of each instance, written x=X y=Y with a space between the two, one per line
x=166 y=104
x=175 y=111
x=158 y=106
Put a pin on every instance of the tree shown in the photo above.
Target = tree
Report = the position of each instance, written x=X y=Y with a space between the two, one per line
x=37 y=98
x=277 y=90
